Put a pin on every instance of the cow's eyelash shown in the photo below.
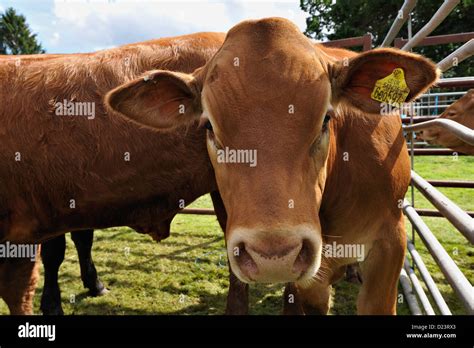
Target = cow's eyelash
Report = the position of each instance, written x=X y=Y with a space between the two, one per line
x=208 y=126
x=326 y=120
x=213 y=140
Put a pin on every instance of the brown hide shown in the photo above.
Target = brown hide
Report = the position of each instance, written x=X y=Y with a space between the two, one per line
x=64 y=158
x=461 y=111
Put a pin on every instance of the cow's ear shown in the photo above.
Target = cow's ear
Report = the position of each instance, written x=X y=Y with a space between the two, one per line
x=381 y=76
x=161 y=99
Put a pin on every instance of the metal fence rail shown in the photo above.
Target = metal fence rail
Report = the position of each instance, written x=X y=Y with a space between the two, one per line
x=443 y=11
x=453 y=82
x=435 y=152
x=462 y=53
x=409 y=294
x=458 y=217
x=401 y=18
x=435 y=213
x=437 y=40
x=420 y=292
x=452 y=273
x=429 y=107
x=430 y=284
x=365 y=41
x=460 y=131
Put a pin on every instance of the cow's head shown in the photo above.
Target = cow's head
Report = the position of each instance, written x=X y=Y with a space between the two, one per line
x=268 y=91
x=461 y=111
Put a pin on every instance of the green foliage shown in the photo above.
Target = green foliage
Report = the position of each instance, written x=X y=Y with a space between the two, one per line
x=16 y=36
x=343 y=19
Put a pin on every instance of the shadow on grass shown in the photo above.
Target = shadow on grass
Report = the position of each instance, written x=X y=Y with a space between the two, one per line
x=344 y=298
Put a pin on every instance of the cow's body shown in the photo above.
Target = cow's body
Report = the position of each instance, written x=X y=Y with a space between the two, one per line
x=368 y=175
x=317 y=180
x=63 y=173
x=462 y=111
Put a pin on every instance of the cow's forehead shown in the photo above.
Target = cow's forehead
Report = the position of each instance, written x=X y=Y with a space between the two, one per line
x=267 y=59
x=258 y=49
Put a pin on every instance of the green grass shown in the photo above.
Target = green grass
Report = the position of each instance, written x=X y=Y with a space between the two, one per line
x=187 y=273
x=457 y=246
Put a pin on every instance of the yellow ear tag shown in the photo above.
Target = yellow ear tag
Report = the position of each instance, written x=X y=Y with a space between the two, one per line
x=392 y=89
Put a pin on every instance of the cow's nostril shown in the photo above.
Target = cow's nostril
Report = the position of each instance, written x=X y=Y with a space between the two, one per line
x=305 y=257
x=245 y=262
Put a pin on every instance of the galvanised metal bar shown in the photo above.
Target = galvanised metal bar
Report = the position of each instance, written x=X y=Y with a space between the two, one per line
x=462 y=53
x=452 y=183
x=408 y=292
x=439 y=106
x=430 y=284
x=458 y=217
x=436 y=152
x=443 y=11
x=401 y=18
x=451 y=82
x=365 y=41
x=453 y=275
x=425 y=302
x=435 y=213
x=198 y=211
x=462 y=132
x=444 y=94
x=418 y=119
x=438 y=39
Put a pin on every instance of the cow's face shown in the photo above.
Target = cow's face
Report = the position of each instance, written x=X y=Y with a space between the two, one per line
x=266 y=99
x=461 y=111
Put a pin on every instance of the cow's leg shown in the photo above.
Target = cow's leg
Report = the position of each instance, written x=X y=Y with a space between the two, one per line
x=83 y=241
x=238 y=296
x=316 y=296
x=380 y=272
x=52 y=254
x=18 y=279
x=353 y=274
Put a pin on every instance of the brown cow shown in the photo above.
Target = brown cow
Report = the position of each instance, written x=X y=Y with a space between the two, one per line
x=269 y=91
x=462 y=111
x=60 y=172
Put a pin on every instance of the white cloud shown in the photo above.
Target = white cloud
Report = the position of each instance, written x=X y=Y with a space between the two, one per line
x=55 y=38
x=84 y=26
x=65 y=26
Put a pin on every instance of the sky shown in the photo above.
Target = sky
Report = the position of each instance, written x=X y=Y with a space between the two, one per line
x=70 y=26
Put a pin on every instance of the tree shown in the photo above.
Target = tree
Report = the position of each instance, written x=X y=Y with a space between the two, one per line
x=343 y=18
x=16 y=36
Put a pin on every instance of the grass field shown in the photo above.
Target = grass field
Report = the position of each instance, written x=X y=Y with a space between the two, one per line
x=187 y=273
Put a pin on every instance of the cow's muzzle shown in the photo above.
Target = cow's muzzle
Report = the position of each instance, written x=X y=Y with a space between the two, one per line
x=281 y=256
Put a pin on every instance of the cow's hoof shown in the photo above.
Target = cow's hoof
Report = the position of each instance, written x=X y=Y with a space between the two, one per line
x=98 y=290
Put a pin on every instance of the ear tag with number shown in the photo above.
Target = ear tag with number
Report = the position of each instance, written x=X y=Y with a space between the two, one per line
x=392 y=89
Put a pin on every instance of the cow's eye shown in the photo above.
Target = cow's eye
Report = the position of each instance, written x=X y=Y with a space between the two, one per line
x=208 y=125
x=327 y=118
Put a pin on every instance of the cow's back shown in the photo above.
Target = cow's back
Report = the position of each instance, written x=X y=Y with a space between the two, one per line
x=59 y=173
